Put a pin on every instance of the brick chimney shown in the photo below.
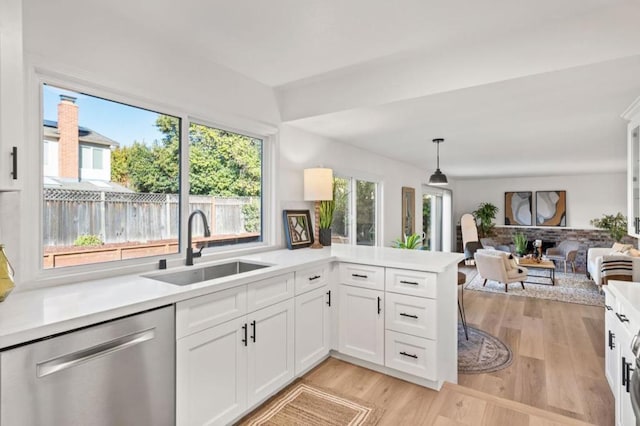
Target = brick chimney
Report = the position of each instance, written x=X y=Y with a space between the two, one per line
x=68 y=147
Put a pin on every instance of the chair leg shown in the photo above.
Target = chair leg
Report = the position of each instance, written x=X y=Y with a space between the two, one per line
x=573 y=266
x=506 y=288
x=484 y=283
x=464 y=319
x=522 y=284
x=565 y=266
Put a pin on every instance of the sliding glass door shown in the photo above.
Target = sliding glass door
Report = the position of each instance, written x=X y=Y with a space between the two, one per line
x=436 y=219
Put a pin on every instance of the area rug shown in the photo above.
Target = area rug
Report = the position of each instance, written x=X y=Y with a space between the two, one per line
x=305 y=404
x=571 y=288
x=482 y=353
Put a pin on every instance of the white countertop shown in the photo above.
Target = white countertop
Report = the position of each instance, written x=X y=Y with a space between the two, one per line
x=34 y=314
x=629 y=294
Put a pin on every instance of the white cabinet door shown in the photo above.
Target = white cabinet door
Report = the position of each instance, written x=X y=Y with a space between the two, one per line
x=313 y=315
x=612 y=352
x=271 y=349
x=361 y=323
x=626 y=360
x=211 y=375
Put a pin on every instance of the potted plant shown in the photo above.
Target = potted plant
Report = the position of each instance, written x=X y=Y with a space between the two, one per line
x=484 y=215
x=616 y=225
x=326 y=217
x=410 y=242
x=520 y=240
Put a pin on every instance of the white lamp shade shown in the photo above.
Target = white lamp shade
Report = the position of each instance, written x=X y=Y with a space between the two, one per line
x=318 y=184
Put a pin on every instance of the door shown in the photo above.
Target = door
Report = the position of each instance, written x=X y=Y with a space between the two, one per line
x=313 y=313
x=437 y=220
x=211 y=375
x=271 y=350
x=361 y=323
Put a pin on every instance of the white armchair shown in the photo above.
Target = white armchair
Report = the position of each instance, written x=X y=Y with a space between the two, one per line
x=497 y=266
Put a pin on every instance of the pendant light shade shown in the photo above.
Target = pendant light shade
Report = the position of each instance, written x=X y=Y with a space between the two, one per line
x=438 y=178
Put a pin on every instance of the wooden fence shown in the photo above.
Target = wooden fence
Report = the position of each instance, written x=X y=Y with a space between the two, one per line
x=118 y=217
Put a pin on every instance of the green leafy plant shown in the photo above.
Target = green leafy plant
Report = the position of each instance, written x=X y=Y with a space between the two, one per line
x=520 y=240
x=484 y=215
x=327 y=208
x=251 y=213
x=88 y=240
x=616 y=225
x=411 y=242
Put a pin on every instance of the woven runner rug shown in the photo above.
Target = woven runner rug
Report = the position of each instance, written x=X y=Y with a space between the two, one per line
x=569 y=287
x=482 y=353
x=304 y=404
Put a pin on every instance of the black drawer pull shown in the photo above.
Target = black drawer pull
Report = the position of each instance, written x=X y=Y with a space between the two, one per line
x=409 y=355
x=314 y=278
x=253 y=327
x=244 y=328
x=612 y=337
x=622 y=317
x=409 y=282
x=629 y=370
x=359 y=276
x=622 y=370
x=379 y=305
x=609 y=308
x=14 y=154
x=329 y=300
x=402 y=314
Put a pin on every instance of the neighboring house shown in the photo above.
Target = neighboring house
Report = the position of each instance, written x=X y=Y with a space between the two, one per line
x=74 y=153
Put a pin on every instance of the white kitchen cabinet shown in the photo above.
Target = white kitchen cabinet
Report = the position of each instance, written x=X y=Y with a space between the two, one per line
x=612 y=345
x=632 y=114
x=271 y=350
x=211 y=375
x=12 y=129
x=361 y=323
x=625 y=413
x=313 y=323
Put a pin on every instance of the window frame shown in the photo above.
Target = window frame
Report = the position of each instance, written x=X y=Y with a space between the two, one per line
x=32 y=268
x=352 y=205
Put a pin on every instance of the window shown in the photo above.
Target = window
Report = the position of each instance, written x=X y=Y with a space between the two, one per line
x=225 y=181
x=112 y=177
x=355 y=218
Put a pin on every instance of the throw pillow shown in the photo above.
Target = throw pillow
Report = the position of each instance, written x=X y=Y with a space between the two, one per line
x=633 y=252
x=619 y=247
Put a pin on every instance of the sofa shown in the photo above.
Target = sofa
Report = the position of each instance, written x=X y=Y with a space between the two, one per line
x=620 y=262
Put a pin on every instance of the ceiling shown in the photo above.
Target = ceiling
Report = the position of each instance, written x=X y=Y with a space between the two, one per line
x=515 y=87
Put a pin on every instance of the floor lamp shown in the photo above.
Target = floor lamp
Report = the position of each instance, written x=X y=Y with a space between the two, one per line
x=318 y=186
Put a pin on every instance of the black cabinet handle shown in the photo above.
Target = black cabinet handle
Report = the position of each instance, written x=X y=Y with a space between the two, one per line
x=14 y=154
x=379 y=305
x=609 y=308
x=329 y=299
x=253 y=331
x=359 y=276
x=244 y=328
x=314 y=278
x=622 y=317
x=622 y=370
x=402 y=314
x=408 y=282
x=626 y=374
x=637 y=224
x=409 y=355
x=612 y=337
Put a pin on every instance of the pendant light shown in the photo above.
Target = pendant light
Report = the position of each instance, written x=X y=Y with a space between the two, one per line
x=438 y=178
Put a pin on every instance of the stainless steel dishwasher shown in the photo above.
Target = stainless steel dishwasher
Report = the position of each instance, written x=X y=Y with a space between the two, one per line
x=120 y=372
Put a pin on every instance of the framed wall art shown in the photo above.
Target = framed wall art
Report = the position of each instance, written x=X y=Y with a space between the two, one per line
x=298 y=231
x=408 y=210
x=551 y=208
x=517 y=208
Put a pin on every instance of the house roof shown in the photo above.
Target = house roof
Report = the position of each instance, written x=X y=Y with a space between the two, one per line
x=85 y=134
x=83 y=185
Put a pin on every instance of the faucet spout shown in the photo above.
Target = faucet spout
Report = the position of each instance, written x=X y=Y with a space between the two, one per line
x=207 y=233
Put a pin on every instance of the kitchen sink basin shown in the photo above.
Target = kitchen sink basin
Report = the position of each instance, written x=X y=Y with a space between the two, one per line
x=206 y=273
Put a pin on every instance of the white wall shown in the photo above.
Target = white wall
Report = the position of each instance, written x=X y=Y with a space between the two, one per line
x=588 y=196
x=300 y=150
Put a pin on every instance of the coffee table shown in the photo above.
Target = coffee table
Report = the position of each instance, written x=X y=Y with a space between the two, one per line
x=542 y=264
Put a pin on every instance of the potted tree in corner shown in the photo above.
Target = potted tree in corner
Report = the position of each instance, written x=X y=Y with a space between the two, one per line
x=484 y=215
x=326 y=217
x=615 y=225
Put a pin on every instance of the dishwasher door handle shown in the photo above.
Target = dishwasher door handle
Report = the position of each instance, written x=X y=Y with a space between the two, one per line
x=84 y=355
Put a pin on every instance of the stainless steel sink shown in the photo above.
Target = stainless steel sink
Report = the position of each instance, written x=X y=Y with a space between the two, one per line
x=206 y=273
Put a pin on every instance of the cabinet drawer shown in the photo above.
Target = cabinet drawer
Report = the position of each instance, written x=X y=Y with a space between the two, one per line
x=311 y=278
x=413 y=355
x=411 y=315
x=267 y=292
x=362 y=275
x=415 y=283
x=203 y=312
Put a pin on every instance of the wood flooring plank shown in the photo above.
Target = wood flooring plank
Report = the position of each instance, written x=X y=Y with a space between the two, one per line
x=562 y=388
x=497 y=415
x=598 y=398
x=532 y=308
x=464 y=409
x=554 y=327
x=532 y=338
x=595 y=329
x=584 y=356
x=531 y=382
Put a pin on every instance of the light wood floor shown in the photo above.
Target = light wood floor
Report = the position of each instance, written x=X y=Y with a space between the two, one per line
x=558 y=369
x=558 y=353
